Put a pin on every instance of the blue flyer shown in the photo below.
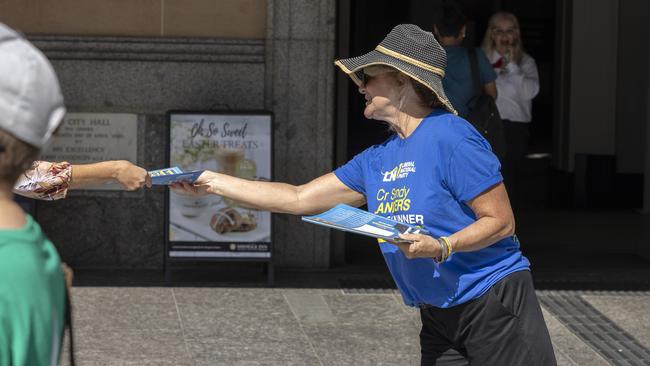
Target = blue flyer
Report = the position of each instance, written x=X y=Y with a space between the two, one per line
x=162 y=177
x=354 y=220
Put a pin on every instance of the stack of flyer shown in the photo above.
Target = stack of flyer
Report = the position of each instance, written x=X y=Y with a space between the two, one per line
x=162 y=177
x=354 y=220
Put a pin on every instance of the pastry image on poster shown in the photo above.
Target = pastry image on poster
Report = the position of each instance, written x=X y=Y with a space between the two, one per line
x=236 y=145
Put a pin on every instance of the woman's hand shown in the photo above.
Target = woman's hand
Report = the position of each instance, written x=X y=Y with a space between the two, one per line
x=423 y=246
x=130 y=176
x=511 y=54
x=201 y=187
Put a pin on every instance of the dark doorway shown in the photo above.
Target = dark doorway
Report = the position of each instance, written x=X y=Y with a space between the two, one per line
x=367 y=22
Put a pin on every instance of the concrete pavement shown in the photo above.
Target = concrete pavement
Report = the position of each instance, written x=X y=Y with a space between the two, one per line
x=307 y=319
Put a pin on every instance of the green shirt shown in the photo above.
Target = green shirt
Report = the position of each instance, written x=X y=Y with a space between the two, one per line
x=32 y=297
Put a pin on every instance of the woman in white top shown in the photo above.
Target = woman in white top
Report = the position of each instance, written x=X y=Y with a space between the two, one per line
x=517 y=84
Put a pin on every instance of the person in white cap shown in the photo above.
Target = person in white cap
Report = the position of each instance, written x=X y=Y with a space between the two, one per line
x=32 y=289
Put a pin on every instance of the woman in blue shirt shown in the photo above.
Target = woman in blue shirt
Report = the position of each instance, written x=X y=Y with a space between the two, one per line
x=468 y=278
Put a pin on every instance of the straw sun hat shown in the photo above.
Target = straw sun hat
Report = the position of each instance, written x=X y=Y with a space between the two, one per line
x=410 y=50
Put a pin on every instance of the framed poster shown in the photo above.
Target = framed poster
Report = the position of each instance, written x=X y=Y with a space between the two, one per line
x=237 y=144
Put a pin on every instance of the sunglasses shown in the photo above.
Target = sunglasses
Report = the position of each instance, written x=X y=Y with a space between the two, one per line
x=365 y=78
x=370 y=72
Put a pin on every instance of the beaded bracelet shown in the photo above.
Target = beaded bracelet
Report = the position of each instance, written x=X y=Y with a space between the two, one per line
x=447 y=252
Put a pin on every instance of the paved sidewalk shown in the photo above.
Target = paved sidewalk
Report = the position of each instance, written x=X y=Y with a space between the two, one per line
x=307 y=319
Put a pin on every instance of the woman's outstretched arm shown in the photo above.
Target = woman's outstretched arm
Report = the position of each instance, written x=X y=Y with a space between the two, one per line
x=316 y=196
x=127 y=174
x=51 y=181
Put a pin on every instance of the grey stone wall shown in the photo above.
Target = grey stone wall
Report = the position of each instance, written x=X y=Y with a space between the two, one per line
x=113 y=229
x=147 y=77
x=289 y=73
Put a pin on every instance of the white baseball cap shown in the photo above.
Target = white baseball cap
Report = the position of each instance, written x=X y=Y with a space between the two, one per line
x=31 y=104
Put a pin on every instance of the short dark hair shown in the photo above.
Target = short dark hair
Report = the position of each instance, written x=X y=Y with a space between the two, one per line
x=16 y=156
x=452 y=19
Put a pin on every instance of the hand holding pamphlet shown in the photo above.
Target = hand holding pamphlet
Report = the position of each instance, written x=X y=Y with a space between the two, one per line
x=354 y=220
x=162 y=177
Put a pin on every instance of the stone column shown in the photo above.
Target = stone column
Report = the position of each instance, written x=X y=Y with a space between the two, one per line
x=646 y=175
x=299 y=86
x=644 y=250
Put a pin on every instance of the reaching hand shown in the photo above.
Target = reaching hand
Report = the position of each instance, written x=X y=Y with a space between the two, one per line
x=509 y=55
x=131 y=176
x=201 y=186
x=187 y=189
x=423 y=246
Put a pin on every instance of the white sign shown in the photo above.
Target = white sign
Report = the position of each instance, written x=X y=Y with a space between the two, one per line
x=85 y=138
x=237 y=145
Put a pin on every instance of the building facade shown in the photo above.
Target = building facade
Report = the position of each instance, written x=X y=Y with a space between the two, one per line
x=148 y=57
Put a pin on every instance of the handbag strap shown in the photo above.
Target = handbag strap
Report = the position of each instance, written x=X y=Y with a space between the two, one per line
x=473 y=65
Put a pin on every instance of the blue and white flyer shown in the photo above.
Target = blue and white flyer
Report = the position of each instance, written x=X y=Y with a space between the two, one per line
x=354 y=220
x=171 y=175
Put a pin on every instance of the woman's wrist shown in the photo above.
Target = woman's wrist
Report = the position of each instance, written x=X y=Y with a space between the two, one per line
x=440 y=257
x=115 y=167
x=212 y=182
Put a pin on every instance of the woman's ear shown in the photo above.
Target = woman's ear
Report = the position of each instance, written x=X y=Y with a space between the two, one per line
x=402 y=79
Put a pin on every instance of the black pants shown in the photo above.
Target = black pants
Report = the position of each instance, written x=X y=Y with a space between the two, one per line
x=505 y=326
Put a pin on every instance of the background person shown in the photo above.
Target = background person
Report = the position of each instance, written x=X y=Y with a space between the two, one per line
x=32 y=289
x=517 y=84
x=458 y=82
x=469 y=278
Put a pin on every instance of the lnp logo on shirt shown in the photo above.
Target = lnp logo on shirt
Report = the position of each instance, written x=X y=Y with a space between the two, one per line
x=400 y=171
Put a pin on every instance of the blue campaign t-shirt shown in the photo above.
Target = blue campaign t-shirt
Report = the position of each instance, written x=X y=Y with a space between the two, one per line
x=458 y=82
x=426 y=179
